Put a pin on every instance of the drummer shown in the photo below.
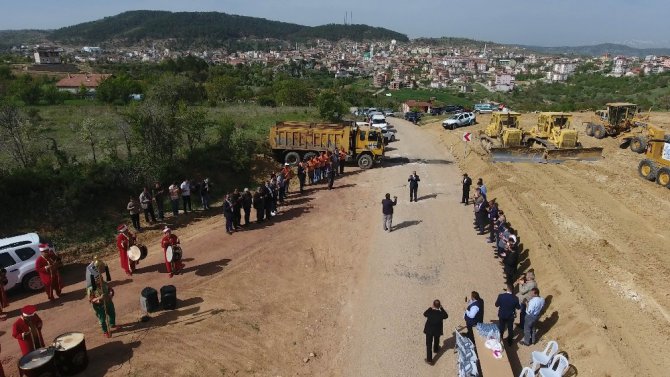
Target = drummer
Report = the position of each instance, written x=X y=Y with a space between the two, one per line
x=170 y=239
x=124 y=241
x=28 y=330
x=47 y=265
x=100 y=296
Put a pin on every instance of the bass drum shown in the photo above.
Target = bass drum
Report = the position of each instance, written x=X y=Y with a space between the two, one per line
x=70 y=353
x=173 y=253
x=134 y=253
x=38 y=363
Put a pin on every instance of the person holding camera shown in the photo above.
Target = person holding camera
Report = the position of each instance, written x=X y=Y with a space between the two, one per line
x=413 y=186
x=435 y=316
x=387 y=211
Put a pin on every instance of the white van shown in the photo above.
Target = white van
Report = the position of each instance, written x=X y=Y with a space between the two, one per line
x=17 y=257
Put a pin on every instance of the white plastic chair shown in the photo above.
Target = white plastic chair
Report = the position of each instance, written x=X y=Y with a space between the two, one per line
x=544 y=358
x=527 y=372
x=559 y=365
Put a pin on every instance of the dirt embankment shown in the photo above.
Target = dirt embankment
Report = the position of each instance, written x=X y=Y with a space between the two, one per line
x=597 y=237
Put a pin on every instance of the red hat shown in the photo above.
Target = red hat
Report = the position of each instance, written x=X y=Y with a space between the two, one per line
x=44 y=247
x=28 y=310
x=122 y=228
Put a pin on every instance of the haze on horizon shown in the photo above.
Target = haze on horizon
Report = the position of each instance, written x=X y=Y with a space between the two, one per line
x=641 y=23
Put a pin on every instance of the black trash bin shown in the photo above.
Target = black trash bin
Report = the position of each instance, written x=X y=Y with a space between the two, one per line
x=169 y=297
x=149 y=300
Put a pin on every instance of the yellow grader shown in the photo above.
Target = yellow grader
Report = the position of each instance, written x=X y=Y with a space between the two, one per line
x=638 y=138
x=551 y=140
x=656 y=165
x=619 y=117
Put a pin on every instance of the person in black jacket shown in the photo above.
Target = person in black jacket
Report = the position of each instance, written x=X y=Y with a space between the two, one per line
x=467 y=182
x=474 y=313
x=259 y=205
x=228 y=213
x=247 y=201
x=413 y=185
x=507 y=305
x=510 y=260
x=435 y=316
x=301 y=176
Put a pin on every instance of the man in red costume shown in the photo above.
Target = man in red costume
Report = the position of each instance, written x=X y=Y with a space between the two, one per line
x=170 y=239
x=124 y=241
x=28 y=330
x=47 y=265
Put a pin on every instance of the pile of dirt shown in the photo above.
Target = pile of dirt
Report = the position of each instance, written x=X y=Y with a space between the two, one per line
x=596 y=238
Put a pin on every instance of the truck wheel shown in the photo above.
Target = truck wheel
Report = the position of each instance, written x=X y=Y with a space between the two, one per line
x=365 y=161
x=647 y=170
x=32 y=282
x=589 y=129
x=292 y=158
x=663 y=177
x=599 y=131
x=638 y=144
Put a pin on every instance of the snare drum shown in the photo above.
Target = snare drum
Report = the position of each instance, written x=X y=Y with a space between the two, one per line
x=38 y=363
x=134 y=253
x=70 y=353
x=173 y=253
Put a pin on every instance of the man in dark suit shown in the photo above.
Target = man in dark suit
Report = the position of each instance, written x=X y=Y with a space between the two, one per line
x=507 y=305
x=435 y=316
x=413 y=185
x=467 y=182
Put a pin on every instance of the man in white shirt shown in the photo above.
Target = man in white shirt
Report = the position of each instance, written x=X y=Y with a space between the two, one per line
x=533 y=310
x=186 y=194
x=474 y=313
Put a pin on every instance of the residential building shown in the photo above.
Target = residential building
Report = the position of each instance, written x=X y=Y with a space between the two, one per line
x=74 y=82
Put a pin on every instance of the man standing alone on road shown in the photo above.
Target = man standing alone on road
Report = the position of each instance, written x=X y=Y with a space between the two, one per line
x=387 y=211
x=435 y=316
x=413 y=186
x=507 y=305
x=467 y=182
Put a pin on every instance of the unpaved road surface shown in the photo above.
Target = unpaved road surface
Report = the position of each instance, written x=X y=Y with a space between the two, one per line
x=324 y=278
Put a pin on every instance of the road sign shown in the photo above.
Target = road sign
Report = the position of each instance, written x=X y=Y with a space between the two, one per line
x=467 y=136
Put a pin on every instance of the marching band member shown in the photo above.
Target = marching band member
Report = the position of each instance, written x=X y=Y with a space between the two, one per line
x=100 y=296
x=47 y=265
x=124 y=241
x=170 y=239
x=28 y=330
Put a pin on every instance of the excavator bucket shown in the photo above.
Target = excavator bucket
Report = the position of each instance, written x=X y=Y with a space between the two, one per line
x=525 y=154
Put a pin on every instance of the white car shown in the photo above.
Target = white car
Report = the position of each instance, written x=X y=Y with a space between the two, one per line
x=379 y=120
x=389 y=135
x=459 y=120
x=17 y=257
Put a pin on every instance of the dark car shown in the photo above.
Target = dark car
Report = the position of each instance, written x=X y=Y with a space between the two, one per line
x=453 y=109
x=413 y=116
x=436 y=111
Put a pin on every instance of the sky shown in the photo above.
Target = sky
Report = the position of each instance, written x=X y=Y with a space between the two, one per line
x=639 y=23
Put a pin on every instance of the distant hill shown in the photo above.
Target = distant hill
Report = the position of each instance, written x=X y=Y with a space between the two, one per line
x=9 y=38
x=599 y=50
x=210 y=29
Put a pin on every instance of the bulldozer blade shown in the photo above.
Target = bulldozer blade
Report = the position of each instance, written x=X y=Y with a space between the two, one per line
x=524 y=154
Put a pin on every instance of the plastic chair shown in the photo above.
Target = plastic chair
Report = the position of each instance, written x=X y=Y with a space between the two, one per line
x=527 y=372
x=559 y=365
x=544 y=358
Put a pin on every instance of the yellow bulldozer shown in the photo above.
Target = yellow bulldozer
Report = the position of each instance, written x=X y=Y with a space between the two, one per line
x=619 y=117
x=560 y=141
x=551 y=140
x=656 y=165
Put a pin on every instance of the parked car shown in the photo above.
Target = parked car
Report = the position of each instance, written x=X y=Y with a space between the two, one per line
x=389 y=113
x=449 y=109
x=459 y=120
x=388 y=135
x=413 y=116
x=17 y=257
x=378 y=120
x=436 y=111
x=483 y=108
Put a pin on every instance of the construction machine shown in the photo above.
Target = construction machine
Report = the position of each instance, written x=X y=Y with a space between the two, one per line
x=619 y=117
x=656 y=165
x=637 y=138
x=554 y=133
x=503 y=138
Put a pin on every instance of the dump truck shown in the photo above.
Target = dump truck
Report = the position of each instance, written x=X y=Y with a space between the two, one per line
x=637 y=138
x=503 y=138
x=554 y=134
x=619 y=117
x=656 y=164
x=293 y=142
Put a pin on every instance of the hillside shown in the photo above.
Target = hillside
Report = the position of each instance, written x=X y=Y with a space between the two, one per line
x=600 y=49
x=211 y=29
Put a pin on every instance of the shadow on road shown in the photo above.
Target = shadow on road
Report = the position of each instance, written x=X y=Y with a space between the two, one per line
x=109 y=357
x=395 y=161
x=406 y=224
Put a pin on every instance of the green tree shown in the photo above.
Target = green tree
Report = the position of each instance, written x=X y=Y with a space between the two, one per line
x=292 y=92
x=171 y=89
x=192 y=122
x=89 y=131
x=223 y=89
x=117 y=89
x=330 y=106
x=18 y=135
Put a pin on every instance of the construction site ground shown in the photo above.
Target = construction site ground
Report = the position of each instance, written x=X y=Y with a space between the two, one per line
x=324 y=291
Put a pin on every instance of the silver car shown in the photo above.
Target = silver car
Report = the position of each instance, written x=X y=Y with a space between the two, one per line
x=17 y=257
